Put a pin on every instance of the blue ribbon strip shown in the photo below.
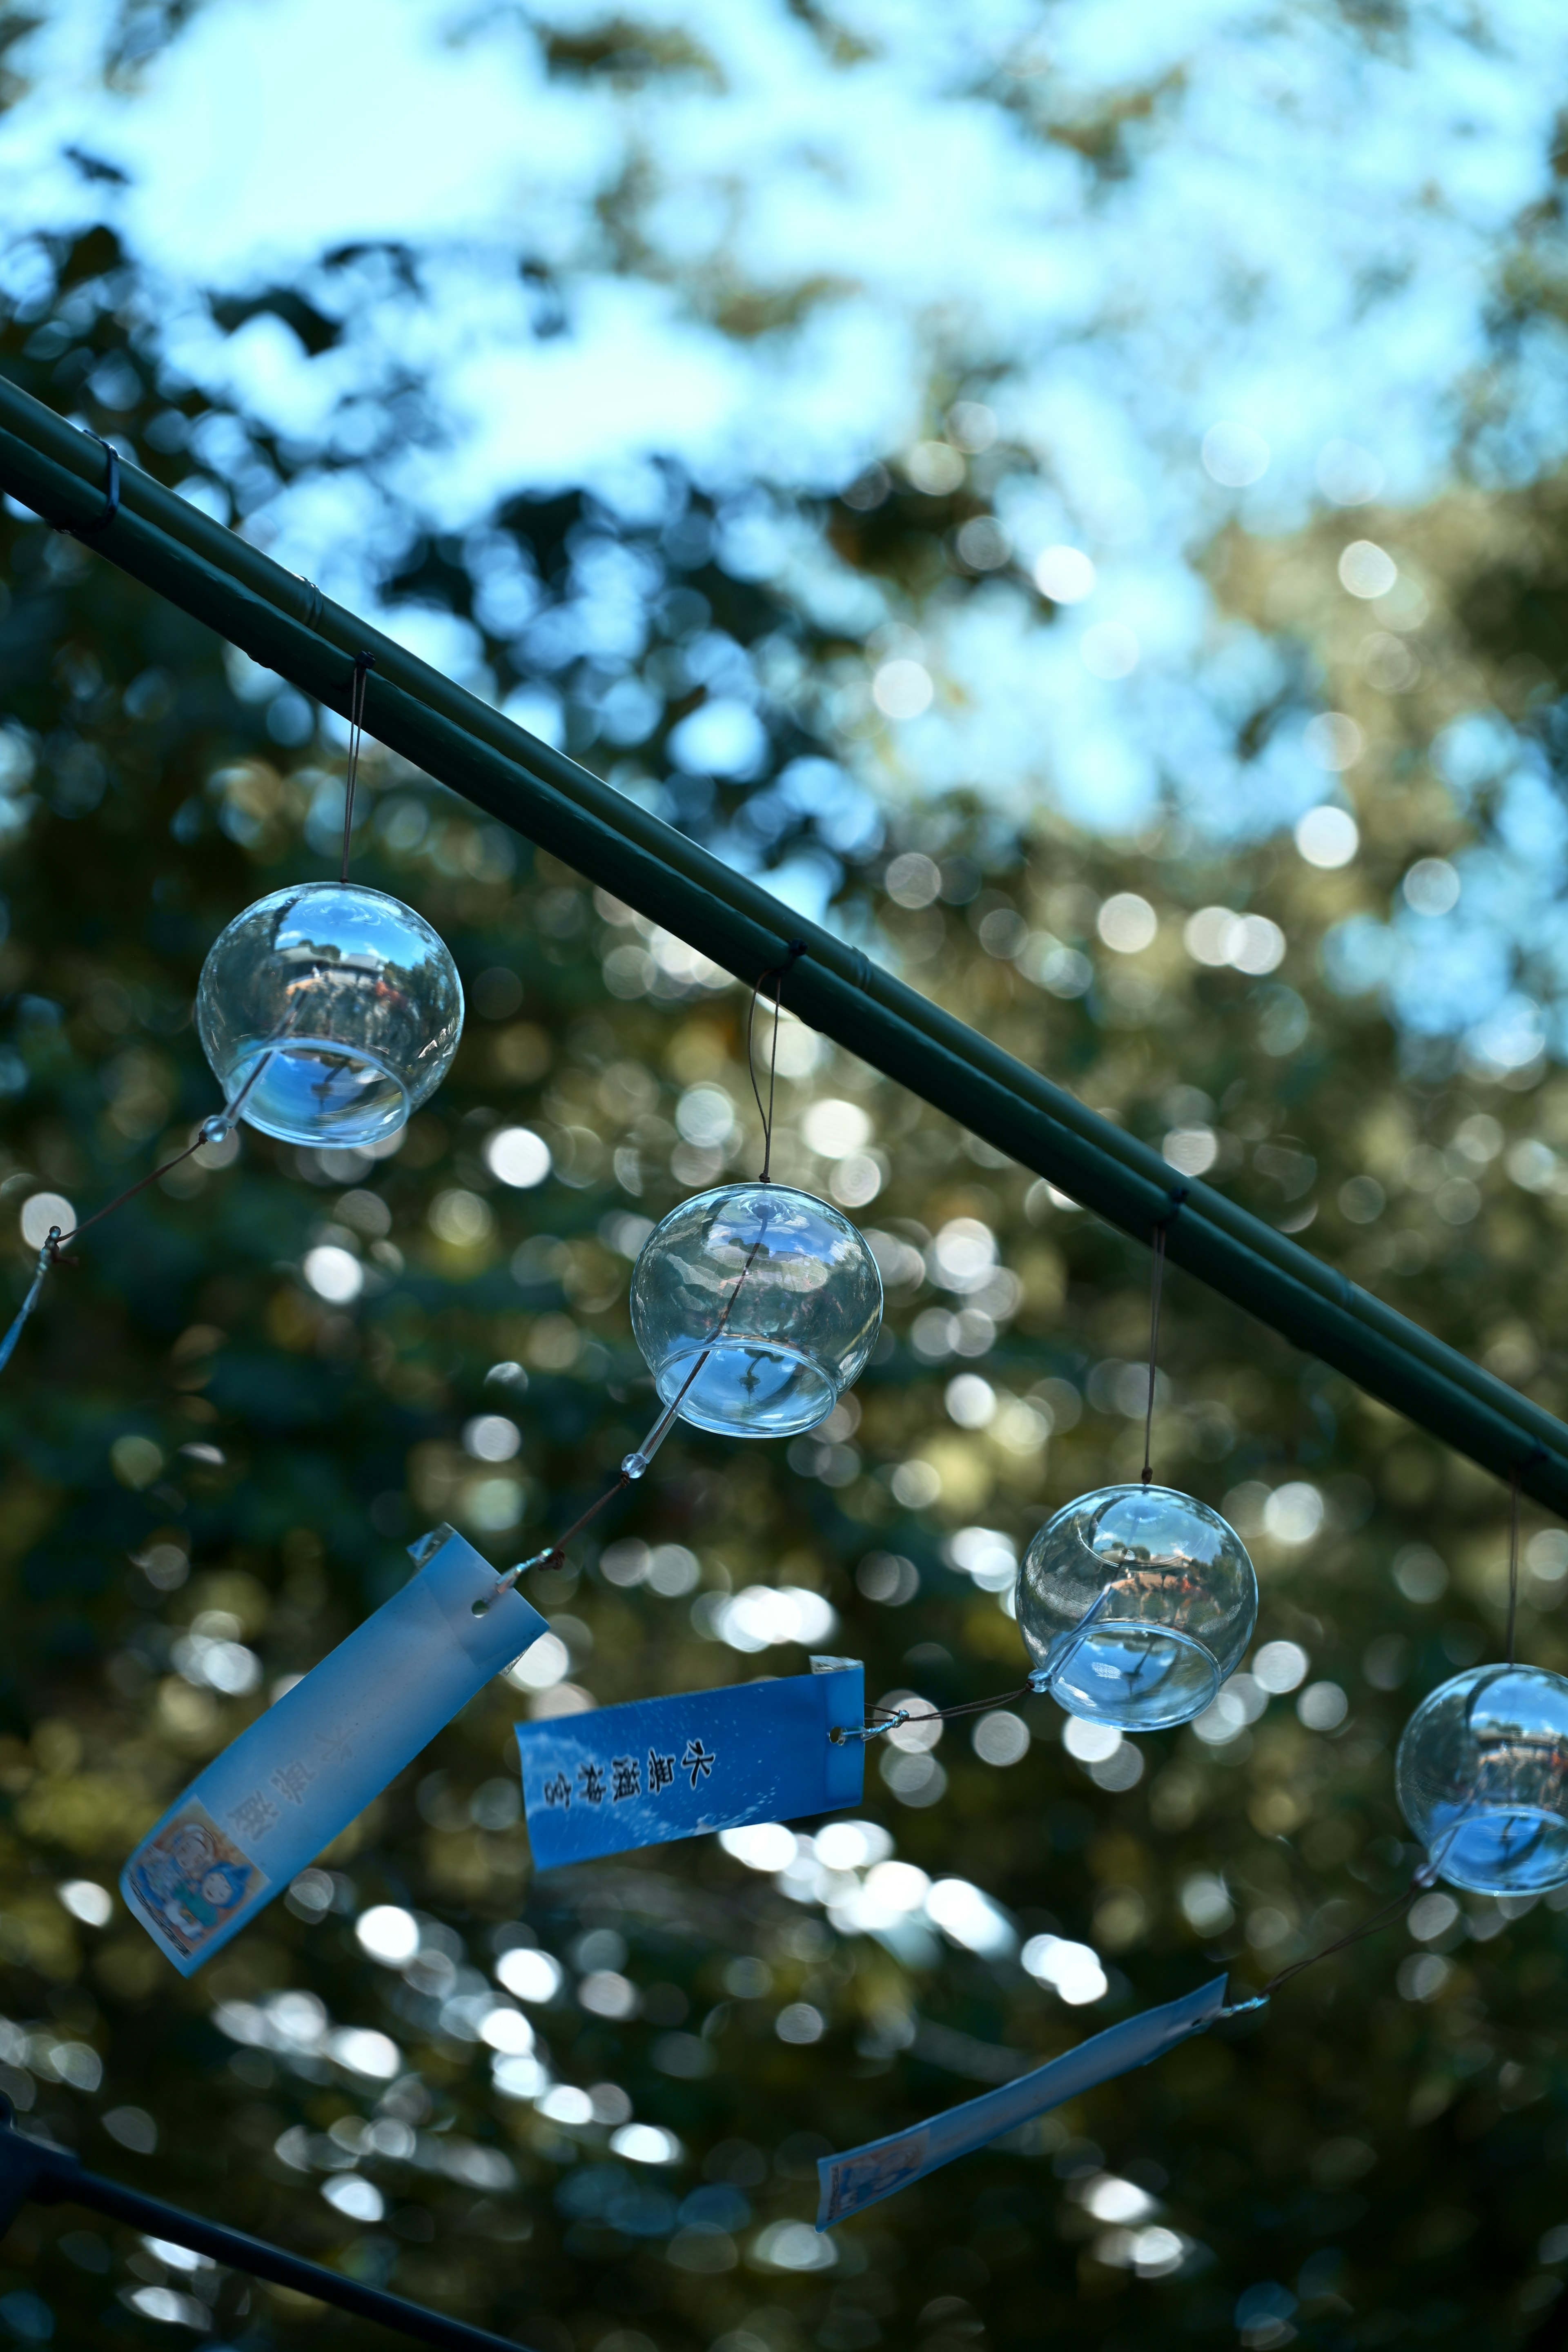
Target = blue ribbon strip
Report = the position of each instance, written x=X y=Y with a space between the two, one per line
x=671 y=1768
x=859 y=2179
x=9 y=1344
x=284 y=1789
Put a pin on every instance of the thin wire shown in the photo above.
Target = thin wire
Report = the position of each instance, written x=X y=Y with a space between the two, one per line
x=1156 y=1284
x=131 y=1190
x=1156 y=1289
x=889 y=1718
x=211 y=1130
x=795 y=948
x=1514 y=1475
x=632 y=1468
x=363 y=663
x=1426 y=1875
x=1386 y=1918
x=51 y=1253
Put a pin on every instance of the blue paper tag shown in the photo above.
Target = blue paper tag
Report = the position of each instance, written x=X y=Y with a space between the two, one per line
x=671 y=1768
x=301 y=1771
x=857 y=2178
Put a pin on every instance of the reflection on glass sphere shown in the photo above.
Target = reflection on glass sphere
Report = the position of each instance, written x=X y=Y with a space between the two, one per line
x=1135 y=1602
x=339 y=1007
x=1482 y=1775
x=765 y=1300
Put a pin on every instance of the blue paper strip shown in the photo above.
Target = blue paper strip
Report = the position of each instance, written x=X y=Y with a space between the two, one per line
x=672 y=1768
x=284 y=1789
x=859 y=2178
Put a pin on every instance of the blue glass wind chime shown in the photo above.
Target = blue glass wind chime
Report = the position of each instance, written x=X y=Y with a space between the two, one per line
x=329 y=1012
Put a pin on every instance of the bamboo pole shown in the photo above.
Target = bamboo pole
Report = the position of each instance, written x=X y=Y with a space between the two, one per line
x=284 y=623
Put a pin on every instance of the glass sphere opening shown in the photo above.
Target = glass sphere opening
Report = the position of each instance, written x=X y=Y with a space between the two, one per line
x=308 y=1090
x=1482 y=1775
x=773 y=1390
x=1135 y=1602
x=1513 y=1850
x=332 y=1010
x=1139 y=1677
x=756 y=1306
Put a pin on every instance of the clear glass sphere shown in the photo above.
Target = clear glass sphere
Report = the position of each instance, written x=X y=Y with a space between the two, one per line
x=769 y=1296
x=1135 y=1602
x=350 y=1000
x=1482 y=1774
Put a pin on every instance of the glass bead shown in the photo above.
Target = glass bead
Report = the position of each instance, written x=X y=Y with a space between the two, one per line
x=1482 y=1775
x=338 y=1007
x=766 y=1300
x=1135 y=1603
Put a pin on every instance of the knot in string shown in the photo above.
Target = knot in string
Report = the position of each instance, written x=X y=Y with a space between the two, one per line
x=214 y=1130
x=842 y=1732
x=891 y=1719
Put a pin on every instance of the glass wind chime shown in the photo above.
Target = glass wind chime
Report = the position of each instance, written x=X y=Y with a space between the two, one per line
x=328 y=1012
x=1137 y=1603
x=1482 y=1769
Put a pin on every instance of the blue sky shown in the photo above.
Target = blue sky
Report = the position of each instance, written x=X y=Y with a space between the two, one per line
x=1298 y=249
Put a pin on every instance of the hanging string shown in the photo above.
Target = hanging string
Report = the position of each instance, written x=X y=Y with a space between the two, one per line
x=212 y=1130
x=1514 y=1475
x=1392 y=1910
x=52 y=1254
x=795 y=948
x=1156 y=1286
x=1425 y=1877
x=635 y=1464
x=363 y=663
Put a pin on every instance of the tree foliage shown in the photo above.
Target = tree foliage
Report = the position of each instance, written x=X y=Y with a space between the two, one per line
x=213 y=1461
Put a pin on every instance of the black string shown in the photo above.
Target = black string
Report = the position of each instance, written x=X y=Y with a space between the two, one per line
x=211 y=1130
x=1156 y=1287
x=53 y=1243
x=1514 y=1475
x=363 y=663
x=795 y=948
x=1386 y=1918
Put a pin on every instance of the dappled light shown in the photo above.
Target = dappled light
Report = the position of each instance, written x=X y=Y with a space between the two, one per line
x=1074 y=508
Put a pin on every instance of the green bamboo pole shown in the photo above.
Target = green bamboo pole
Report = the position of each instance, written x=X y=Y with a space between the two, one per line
x=288 y=625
